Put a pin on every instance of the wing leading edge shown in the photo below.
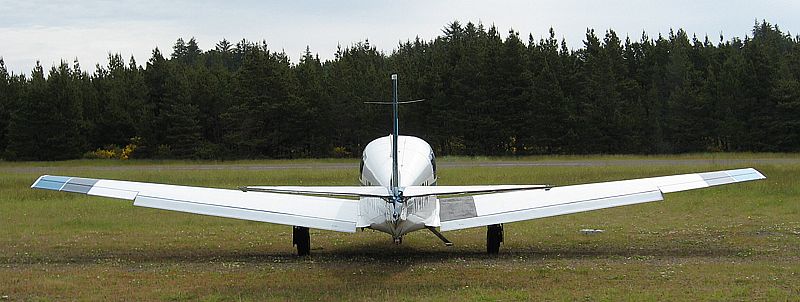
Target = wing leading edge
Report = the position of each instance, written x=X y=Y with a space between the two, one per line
x=298 y=210
x=488 y=209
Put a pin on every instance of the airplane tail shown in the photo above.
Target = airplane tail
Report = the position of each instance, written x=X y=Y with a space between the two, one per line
x=395 y=181
x=397 y=195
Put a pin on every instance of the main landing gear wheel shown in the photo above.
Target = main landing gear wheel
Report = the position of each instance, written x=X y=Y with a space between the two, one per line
x=302 y=240
x=494 y=236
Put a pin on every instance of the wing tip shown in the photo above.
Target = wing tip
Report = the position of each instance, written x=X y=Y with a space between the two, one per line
x=33 y=186
x=759 y=174
x=754 y=174
x=37 y=184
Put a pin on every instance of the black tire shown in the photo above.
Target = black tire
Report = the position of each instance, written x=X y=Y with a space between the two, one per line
x=302 y=239
x=494 y=236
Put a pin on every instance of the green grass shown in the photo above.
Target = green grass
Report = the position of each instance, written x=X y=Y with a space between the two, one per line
x=737 y=242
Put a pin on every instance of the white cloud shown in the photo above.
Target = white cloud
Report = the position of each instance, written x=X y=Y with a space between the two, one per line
x=89 y=30
x=90 y=45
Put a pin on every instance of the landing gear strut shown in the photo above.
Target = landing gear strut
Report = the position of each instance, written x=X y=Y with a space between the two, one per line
x=494 y=236
x=302 y=240
x=436 y=232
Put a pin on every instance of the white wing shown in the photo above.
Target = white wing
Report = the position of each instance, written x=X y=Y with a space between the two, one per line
x=307 y=211
x=480 y=210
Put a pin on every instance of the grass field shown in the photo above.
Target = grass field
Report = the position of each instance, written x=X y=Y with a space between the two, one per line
x=736 y=242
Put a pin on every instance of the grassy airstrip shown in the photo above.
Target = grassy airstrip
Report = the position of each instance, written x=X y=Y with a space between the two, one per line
x=736 y=242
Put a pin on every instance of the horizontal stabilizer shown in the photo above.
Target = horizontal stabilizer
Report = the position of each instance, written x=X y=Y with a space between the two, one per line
x=385 y=192
x=347 y=191
x=417 y=191
x=392 y=103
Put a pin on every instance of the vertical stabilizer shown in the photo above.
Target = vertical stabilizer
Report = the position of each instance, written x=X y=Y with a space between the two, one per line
x=395 y=134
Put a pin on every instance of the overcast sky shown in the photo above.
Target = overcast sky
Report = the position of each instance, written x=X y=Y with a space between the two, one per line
x=51 y=30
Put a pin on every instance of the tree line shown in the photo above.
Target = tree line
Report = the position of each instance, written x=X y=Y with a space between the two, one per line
x=485 y=95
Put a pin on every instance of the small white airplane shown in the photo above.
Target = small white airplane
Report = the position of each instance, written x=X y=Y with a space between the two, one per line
x=398 y=195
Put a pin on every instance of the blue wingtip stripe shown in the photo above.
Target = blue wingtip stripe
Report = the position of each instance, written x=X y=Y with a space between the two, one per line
x=730 y=176
x=61 y=179
x=48 y=185
x=66 y=184
x=746 y=177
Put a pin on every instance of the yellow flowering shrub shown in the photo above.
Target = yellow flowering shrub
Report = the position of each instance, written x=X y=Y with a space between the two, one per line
x=341 y=152
x=114 y=151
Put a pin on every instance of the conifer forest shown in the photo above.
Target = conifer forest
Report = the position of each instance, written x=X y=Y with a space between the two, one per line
x=486 y=93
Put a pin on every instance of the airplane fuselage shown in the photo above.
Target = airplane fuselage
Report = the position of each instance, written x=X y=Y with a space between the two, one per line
x=416 y=167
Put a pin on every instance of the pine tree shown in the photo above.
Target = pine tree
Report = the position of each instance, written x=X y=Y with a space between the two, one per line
x=87 y=95
x=223 y=46
x=123 y=96
x=487 y=94
x=179 y=49
x=47 y=124
x=267 y=117
x=149 y=131
x=514 y=94
x=211 y=95
x=6 y=97
x=597 y=96
x=222 y=55
x=685 y=129
x=358 y=75
x=309 y=74
x=193 y=52
x=547 y=111
x=27 y=121
x=177 y=117
x=65 y=95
